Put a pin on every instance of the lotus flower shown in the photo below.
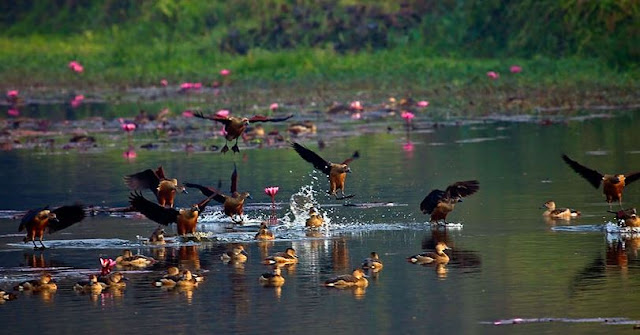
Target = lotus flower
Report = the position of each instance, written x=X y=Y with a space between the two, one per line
x=493 y=75
x=187 y=113
x=271 y=191
x=12 y=94
x=225 y=72
x=197 y=86
x=13 y=112
x=408 y=146
x=274 y=106
x=186 y=86
x=75 y=66
x=356 y=105
x=515 y=69
x=106 y=265
x=130 y=154
x=422 y=104
x=127 y=126
x=164 y=82
x=408 y=116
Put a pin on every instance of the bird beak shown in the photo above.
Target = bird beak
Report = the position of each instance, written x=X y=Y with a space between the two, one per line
x=184 y=190
x=543 y=207
x=244 y=253
x=250 y=197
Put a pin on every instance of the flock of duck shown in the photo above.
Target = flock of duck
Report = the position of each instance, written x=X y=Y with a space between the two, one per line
x=438 y=204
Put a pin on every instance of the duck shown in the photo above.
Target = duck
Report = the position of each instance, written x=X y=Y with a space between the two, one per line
x=558 y=213
x=305 y=127
x=187 y=280
x=236 y=255
x=7 y=296
x=315 y=220
x=264 y=234
x=45 y=283
x=232 y=205
x=113 y=280
x=612 y=184
x=90 y=286
x=440 y=203
x=163 y=188
x=272 y=279
x=356 y=279
x=372 y=262
x=627 y=217
x=36 y=221
x=234 y=127
x=285 y=257
x=157 y=237
x=186 y=219
x=337 y=173
x=129 y=259
x=430 y=257
x=170 y=278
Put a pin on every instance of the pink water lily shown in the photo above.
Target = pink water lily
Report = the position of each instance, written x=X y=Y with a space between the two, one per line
x=77 y=100
x=274 y=106
x=356 y=105
x=408 y=146
x=12 y=94
x=186 y=86
x=225 y=72
x=164 y=82
x=197 y=86
x=272 y=191
x=130 y=154
x=187 y=113
x=422 y=104
x=127 y=126
x=493 y=75
x=75 y=66
x=13 y=112
x=408 y=116
x=515 y=69
x=107 y=262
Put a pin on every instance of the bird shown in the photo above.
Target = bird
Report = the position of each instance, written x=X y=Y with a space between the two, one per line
x=6 y=296
x=129 y=259
x=439 y=203
x=627 y=217
x=315 y=220
x=236 y=255
x=35 y=221
x=357 y=279
x=113 y=280
x=89 y=286
x=235 y=126
x=337 y=173
x=157 y=237
x=187 y=280
x=284 y=257
x=264 y=233
x=45 y=283
x=186 y=219
x=163 y=188
x=430 y=257
x=272 y=279
x=612 y=185
x=232 y=205
x=372 y=262
x=169 y=279
x=558 y=213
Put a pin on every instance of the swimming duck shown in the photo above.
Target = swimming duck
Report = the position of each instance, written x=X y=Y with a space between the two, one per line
x=157 y=237
x=429 y=257
x=337 y=173
x=285 y=257
x=234 y=126
x=163 y=188
x=373 y=262
x=236 y=255
x=187 y=280
x=37 y=220
x=185 y=219
x=439 y=203
x=45 y=283
x=129 y=259
x=627 y=217
x=233 y=205
x=315 y=220
x=305 y=127
x=558 y=213
x=7 y=296
x=264 y=234
x=170 y=278
x=113 y=280
x=357 y=279
x=90 y=286
x=273 y=279
x=612 y=185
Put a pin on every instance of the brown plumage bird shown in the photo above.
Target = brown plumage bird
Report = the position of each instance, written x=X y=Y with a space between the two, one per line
x=612 y=184
x=233 y=205
x=337 y=173
x=186 y=219
x=37 y=220
x=163 y=188
x=439 y=203
x=235 y=126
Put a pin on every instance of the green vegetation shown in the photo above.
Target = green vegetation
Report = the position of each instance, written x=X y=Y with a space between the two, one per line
x=573 y=53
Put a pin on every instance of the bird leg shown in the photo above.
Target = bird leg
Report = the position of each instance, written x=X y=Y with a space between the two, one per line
x=225 y=148
x=42 y=244
x=234 y=148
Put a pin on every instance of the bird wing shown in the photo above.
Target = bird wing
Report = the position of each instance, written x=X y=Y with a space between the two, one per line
x=356 y=154
x=207 y=191
x=222 y=119
x=29 y=216
x=153 y=211
x=631 y=177
x=462 y=189
x=234 y=179
x=592 y=176
x=313 y=158
x=203 y=204
x=431 y=201
x=67 y=215
x=160 y=173
x=261 y=118
x=145 y=179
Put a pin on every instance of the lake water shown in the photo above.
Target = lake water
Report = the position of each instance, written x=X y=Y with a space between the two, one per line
x=506 y=260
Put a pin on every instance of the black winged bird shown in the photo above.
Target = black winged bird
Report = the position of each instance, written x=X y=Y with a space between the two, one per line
x=37 y=220
x=162 y=187
x=439 y=203
x=337 y=173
